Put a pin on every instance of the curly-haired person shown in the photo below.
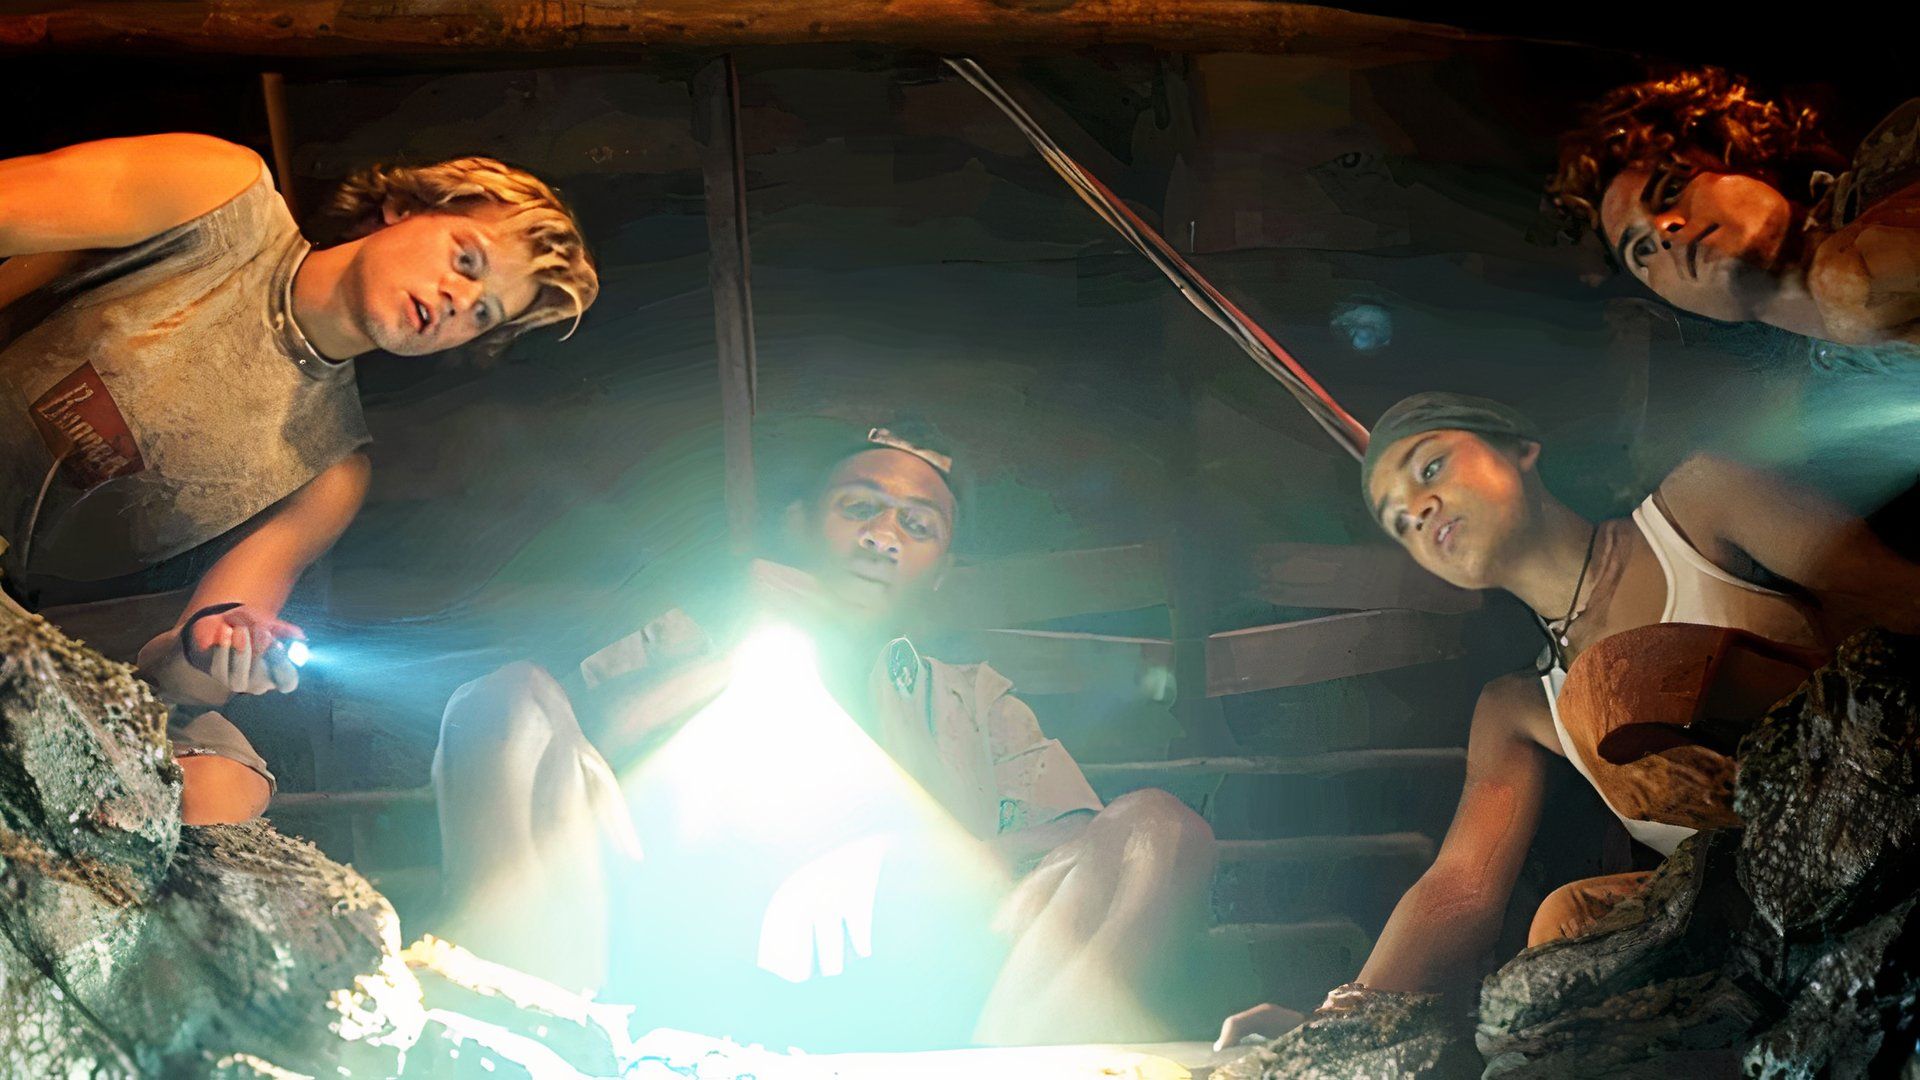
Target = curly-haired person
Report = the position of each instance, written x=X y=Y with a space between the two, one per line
x=1737 y=207
x=178 y=362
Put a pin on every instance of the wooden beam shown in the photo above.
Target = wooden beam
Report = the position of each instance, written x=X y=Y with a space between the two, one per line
x=1352 y=578
x=1045 y=662
x=1330 y=763
x=273 y=94
x=1412 y=846
x=1025 y=589
x=330 y=801
x=716 y=120
x=342 y=28
x=1335 y=647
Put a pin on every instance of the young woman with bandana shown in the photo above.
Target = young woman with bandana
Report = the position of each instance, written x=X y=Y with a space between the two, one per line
x=1455 y=480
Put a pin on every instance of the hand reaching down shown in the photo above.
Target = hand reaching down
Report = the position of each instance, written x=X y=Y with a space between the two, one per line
x=820 y=909
x=1265 y=1021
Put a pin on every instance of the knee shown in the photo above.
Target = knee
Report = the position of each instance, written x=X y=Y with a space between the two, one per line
x=511 y=705
x=1555 y=916
x=1160 y=829
x=521 y=682
x=219 y=791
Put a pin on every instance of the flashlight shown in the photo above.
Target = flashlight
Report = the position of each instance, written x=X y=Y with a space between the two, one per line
x=298 y=653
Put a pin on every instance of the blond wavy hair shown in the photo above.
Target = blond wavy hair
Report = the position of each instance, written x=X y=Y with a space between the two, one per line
x=562 y=265
x=1683 y=121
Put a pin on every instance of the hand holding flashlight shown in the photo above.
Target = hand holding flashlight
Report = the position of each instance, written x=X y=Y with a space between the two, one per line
x=244 y=650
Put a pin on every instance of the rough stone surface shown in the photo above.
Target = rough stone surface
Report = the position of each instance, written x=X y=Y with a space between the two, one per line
x=1828 y=790
x=1647 y=987
x=1854 y=1007
x=128 y=944
x=1386 y=1035
x=1784 y=950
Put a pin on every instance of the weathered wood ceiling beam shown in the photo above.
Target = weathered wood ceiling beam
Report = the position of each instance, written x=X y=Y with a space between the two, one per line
x=348 y=28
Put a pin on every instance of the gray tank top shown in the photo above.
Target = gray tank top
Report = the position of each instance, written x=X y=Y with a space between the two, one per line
x=161 y=395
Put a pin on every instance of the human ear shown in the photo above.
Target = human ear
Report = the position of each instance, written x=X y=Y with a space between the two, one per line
x=391 y=212
x=1529 y=455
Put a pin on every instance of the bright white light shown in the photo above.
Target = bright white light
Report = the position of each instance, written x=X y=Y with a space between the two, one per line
x=298 y=654
x=822 y=908
x=812 y=811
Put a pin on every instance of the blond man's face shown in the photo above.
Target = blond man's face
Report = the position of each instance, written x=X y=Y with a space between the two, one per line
x=427 y=282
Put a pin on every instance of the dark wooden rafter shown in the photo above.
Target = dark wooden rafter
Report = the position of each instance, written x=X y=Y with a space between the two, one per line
x=342 y=28
x=1024 y=589
x=1334 y=647
x=716 y=109
x=273 y=94
x=1348 y=577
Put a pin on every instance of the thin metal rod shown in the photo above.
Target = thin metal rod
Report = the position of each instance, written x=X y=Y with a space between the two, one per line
x=1211 y=302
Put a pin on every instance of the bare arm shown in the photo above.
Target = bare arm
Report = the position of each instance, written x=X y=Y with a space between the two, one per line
x=1451 y=916
x=116 y=192
x=260 y=571
x=1734 y=514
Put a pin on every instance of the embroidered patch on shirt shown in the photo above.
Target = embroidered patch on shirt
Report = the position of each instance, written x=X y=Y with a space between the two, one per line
x=81 y=424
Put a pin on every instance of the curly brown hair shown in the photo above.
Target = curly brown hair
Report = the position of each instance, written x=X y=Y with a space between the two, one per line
x=1682 y=120
x=562 y=265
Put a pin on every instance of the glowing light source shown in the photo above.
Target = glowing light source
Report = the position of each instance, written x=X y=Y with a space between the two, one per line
x=298 y=654
x=817 y=859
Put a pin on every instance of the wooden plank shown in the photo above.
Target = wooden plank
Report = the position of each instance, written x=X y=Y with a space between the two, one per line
x=342 y=28
x=1357 y=577
x=1048 y=662
x=716 y=109
x=1332 y=763
x=1025 y=589
x=1408 y=845
x=1334 y=647
x=273 y=94
x=348 y=801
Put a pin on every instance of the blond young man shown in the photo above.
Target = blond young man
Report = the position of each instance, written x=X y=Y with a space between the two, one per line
x=176 y=366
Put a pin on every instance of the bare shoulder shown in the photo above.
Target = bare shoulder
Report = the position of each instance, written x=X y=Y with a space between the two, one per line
x=1860 y=274
x=1515 y=705
x=1707 y=478
x=1708 y=496
x=169 y=179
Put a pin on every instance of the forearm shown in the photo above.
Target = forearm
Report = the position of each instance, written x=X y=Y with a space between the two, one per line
x=1437 y=936
x=258 y=575
x=261 y=570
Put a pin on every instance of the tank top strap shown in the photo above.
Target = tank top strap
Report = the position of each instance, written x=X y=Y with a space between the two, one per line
x=1676 y=553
